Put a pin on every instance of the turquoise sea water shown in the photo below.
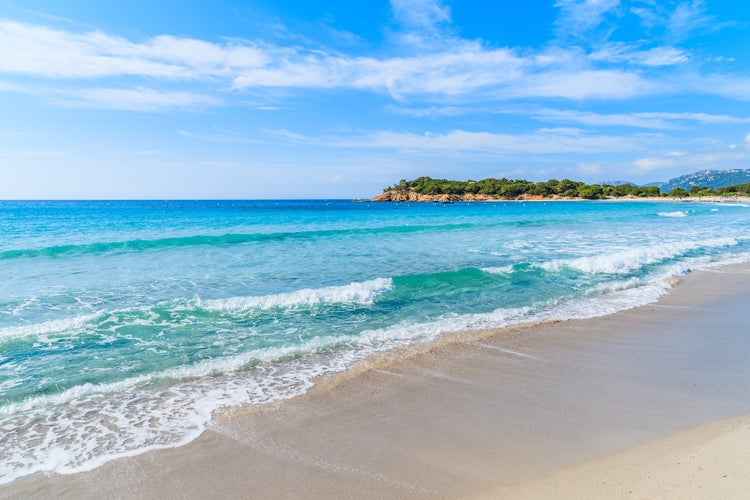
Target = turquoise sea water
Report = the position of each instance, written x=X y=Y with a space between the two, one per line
x=125 y=325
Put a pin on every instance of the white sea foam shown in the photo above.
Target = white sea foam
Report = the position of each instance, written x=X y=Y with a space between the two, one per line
x=48 y=327
x=354 y=293
x=678 y=213
x=624 y=261
x=499 y=269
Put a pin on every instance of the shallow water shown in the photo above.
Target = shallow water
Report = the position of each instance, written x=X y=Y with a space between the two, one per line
x=124 y=325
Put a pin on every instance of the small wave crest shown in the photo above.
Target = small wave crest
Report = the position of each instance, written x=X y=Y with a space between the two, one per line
x=624 y=261
x=141 y=245
x=48 y=327
x=677 y=214
x=363 y=293
x=499 y=269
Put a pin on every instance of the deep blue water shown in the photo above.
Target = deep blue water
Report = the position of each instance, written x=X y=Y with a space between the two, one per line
x=124 y=325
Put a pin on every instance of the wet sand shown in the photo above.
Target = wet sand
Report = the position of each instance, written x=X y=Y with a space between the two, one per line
x=508 y=413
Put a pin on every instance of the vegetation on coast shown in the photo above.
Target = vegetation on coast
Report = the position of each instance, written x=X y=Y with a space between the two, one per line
x=427 y=189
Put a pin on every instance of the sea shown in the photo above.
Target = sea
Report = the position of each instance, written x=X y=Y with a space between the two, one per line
x=126 y=326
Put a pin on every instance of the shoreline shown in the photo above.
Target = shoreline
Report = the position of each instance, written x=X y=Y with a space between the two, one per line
x=517 y=358
x=702 y=199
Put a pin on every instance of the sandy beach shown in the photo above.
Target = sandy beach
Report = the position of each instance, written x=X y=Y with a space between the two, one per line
x=652 y=402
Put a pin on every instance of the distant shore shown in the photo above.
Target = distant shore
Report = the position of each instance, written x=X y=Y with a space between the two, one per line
x=557 y=407
x=397 y=196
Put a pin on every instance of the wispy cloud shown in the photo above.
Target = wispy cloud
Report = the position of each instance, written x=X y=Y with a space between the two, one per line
x=646 y=120
x=45 y=52
x=687 y=17
x=541 y=142
x=220 y=135
x=466 y=68
x=435 y=111
x=546 y=142
x=421 y=14
x=657 y=56
x=578 y=17
x=53 y=53
x=136 y=99
x=704 y=118
x=171 y=72
x=730 y=86
x=675 y=22
x=581 y=84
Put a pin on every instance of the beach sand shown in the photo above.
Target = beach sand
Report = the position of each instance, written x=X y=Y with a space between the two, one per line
x=707 y=462
x=647 y=403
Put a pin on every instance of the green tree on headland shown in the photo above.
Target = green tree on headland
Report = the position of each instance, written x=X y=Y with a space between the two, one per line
x=566 y=188
x=514 y=188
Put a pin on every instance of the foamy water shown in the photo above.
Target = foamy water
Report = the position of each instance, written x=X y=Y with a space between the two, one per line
x=125 y=326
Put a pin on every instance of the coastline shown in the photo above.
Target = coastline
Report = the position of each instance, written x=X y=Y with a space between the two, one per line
x=468 y=414
x=446 y=199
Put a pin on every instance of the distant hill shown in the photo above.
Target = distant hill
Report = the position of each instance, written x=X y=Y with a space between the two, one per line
x=709 y=178
x=618 y=183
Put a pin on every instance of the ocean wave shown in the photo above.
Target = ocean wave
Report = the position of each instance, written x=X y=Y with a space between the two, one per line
x=363 y=293
x=500 y=269
x=48 y=327
x=677 y=214
x=173 y=406
x=139 y=245
x=624 y=261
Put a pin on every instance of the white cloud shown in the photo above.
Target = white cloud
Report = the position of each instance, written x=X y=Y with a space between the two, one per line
x=687 y=17
x=722 y=85
x=662 y=56
x=585 y=84
x=536 y=143
x=135 y=99
x=40 y=51
x=542 y=142
x=657 y=56
x=466 y=68
x=579 y=16
x=699 y=117
x=50 y=53
x=420 y=14
x=635 y=120
x=652 y=120
x=435 y=111
x=470 y=70
x=220 y=135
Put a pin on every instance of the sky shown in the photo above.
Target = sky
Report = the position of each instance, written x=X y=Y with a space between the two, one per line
x=261 y=99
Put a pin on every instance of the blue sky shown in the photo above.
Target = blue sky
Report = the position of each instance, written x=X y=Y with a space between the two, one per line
x=288 y=99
